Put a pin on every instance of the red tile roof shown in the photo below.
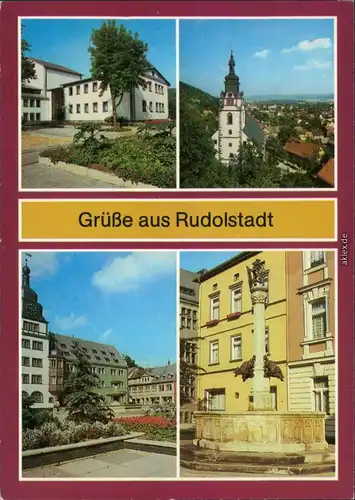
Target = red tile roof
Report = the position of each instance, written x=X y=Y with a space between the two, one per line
x=302 y=149
x=326 y=173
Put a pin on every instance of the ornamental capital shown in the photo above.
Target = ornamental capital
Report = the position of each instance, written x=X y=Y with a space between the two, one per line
x=259 y=296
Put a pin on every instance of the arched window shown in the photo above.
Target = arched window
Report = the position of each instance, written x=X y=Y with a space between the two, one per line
x=24 y=394
x=229 y=119
x=37 y=396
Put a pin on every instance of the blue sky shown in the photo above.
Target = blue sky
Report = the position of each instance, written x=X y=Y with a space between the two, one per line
x=196 y=261
x=120 y=298
x=277 y=56
x=66 y=41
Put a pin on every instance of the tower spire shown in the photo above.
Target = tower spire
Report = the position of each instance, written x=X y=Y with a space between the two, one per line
x=231 y=64
x=26 y=274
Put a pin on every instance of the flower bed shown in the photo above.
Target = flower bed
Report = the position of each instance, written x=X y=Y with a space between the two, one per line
x=155 y=428
x=54 y=434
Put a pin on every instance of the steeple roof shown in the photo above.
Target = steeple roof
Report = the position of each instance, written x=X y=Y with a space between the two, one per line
x=231 y=81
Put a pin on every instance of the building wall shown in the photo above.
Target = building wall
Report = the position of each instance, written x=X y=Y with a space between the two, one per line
x=147 y=391
x=231 y=135
x=156 y=100
x=220 y=375
x=32 y=353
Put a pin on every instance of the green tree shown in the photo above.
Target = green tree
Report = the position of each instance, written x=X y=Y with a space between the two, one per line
x=130 y=362
x=28 y=71
x=118 y=59
x=83 y=402
x=188 y=371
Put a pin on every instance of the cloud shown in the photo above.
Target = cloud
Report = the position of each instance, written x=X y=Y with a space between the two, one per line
x=308 y=45
x=313 y=64
x=70 y=322
x=262 y=54
x=131 y=272
x=106 y=334
x=42 y=264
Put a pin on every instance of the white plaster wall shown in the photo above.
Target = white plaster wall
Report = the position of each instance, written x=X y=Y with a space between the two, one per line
x=236 y=137
x=44 y=371
x=57 y=78
x=90 y=98
x=44 y=109
x=39 y=82
x=151 y=97
x=300 y=379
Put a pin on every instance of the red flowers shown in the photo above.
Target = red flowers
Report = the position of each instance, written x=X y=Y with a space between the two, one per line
x=134 y=422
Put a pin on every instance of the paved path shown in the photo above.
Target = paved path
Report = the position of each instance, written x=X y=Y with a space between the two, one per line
x=199 y=473
x=116 y=464
x=43 y=177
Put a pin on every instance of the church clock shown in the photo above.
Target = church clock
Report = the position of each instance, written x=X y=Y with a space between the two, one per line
x=31 y=309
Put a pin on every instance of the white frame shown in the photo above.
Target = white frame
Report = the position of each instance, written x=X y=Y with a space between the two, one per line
x=233 y=337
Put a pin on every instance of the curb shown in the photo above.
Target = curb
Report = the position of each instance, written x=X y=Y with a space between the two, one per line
x=95 y=174
x=161 y=447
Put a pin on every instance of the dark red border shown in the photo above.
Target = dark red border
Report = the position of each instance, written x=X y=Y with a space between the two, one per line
x=11 y=488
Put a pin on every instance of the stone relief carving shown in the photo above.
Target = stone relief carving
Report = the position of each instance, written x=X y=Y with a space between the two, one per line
x=246 y=369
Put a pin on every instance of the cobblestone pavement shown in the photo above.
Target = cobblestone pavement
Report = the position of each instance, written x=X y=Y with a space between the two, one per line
x=115 y=464
x=42 y=177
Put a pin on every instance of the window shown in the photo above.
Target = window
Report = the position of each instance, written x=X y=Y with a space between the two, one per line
x=229 y=132
x=25 y=378
x=168 y=387
x=107 y=360
x=38 y=103
x=37 y=346
x=25 y=361
x=37 y=396
x=236 y=347
x=156 y=88
x=216 y=399
x=273 y=392
x=231 y=155
x=230 y=144
x=150 y=106
x=194 y=320
x=113 y=371
x=93 y=369
x=229 y=119
x=77 y=89
x=70 y=90
x=25 y=117
x=162 y=107
x=36 y=379
x=236 y=299
x=162 y=90
x=144 y=106
x=319 y=319
x=86 y=108
x=214 y=352
x=86 y=88
x=32 y=103
x=105 y=106
x=32 y=117
x=63 y=346
x=26 y=344
x=215 y=308
x=102 y=383
x=161 y=388
x=321 y=394
x=70 y=109
x=150 y=86
x=94 y=86
x=24 y=394
x=317 y=258
x=38 y=117
x=157 y=107
x=37 y=362
x=25 y=103
x=30 y=327
x=95 y=107
x=78 y=108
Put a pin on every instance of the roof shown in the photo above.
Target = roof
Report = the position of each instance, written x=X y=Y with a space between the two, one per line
x=253 y=130
x=96 y=351
x=326 y=173
x=157 y=372
x=302 y=149
x=237 y=259
x=189 y=288
x=56 y=67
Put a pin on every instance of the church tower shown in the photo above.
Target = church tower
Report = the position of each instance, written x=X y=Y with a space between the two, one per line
x=229 y=137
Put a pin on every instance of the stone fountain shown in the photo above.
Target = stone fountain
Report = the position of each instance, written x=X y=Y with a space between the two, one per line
x=261 y=438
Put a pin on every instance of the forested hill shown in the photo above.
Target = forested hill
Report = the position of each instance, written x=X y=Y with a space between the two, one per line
x=198 y=99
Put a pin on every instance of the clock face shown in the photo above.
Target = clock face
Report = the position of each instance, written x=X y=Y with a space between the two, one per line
x=31 y=309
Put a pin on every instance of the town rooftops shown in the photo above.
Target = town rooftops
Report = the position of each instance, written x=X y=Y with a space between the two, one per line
x=302 y=149
x=253 y=129
x=233 y=261
x=326 y=173
x=157 y=372
x=56 y=67
x=96 y=352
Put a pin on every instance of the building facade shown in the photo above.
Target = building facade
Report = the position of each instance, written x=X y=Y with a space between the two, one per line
x=235 y=124
x=311 y=334
x=84 y=101
x=149 y=386
x=189 y=306
x=34 y=346
x=226 y=331
x=106 y=361
x=36 y=94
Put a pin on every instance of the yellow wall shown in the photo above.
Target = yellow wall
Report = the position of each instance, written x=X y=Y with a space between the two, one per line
x=221 y=375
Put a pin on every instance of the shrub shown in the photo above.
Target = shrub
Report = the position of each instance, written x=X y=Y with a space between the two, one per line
x=155 y=428
x=166 y=410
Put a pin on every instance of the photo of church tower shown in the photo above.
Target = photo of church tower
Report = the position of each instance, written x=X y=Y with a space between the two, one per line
x=235 y=124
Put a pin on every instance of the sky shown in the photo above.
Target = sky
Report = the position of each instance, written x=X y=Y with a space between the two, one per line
x=66 y=41
x=272 y=56
x=123 y=299
x=196 y=261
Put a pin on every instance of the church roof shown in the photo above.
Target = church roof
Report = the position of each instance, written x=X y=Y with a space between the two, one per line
x=253 y=130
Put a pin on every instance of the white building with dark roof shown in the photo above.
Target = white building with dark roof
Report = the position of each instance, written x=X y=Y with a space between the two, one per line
x=36 y=94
